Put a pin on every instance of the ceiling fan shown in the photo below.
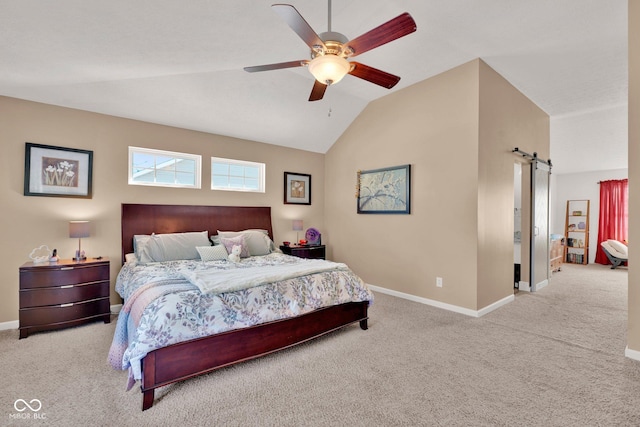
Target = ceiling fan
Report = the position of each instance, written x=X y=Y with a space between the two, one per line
x=330 y=50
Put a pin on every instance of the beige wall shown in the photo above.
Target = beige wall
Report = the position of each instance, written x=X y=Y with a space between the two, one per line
x=28 y=222
x=633 y=339
x=508 y=119
x=458 y=139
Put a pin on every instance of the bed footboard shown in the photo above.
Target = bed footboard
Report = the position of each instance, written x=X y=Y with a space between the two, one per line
x=196 y=357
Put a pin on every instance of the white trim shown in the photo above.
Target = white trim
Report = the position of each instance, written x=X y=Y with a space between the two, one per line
x=115 y=308
x=496 y=305
x=5 y=326
x=632 y=354
x=524 y=286
x=261 y=167
x=444 y=305
x=174 y=156
x=542 y=284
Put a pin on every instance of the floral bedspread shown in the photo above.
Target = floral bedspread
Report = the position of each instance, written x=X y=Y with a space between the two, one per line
x=162 y=308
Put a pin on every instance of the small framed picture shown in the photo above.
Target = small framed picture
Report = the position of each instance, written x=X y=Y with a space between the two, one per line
x=297 y=188
x=57 y=171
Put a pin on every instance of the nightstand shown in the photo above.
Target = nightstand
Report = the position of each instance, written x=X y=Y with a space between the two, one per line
x=315 y=252
x=63 y=294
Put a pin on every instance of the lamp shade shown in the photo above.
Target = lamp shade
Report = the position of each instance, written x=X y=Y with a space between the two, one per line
x=79 y=229
x=297 y=225
x=329 y=69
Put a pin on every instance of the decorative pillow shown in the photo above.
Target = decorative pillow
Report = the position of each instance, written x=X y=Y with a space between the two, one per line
x=257 y=240
x=230 y=242
x=169 y=247
x=130 y=258
x=618 y=246
x=212 y=253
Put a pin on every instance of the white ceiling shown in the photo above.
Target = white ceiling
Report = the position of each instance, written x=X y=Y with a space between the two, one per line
x=180 y=63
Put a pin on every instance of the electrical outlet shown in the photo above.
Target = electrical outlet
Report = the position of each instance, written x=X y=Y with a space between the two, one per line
x=439 y=282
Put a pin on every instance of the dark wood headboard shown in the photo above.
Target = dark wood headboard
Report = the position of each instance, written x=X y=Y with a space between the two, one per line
x=161 y=219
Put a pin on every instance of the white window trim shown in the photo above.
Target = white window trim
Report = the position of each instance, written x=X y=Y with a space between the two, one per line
x=261 y=174
x=174 y=154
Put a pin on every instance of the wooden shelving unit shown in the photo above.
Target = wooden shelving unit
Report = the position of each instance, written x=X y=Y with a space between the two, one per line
x=576 y=232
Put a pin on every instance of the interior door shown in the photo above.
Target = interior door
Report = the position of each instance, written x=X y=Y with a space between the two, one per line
x=539 y=271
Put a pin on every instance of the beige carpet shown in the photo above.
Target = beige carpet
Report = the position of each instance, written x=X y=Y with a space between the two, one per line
x=551 y=358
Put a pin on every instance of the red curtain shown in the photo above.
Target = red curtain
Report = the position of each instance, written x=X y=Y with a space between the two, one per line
x=613 y=222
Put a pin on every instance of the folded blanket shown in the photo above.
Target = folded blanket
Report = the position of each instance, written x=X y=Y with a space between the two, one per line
x=217 y=282
x=134 y=307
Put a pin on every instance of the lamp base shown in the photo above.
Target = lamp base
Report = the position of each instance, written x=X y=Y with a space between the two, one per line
x=79 y=256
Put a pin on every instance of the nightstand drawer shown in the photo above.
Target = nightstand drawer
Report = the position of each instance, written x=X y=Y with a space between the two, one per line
x=52 y=314
x=63 y=294
x=62 y=275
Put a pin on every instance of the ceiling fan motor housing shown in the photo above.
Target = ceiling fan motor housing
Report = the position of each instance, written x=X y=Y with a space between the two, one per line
x=333 y=42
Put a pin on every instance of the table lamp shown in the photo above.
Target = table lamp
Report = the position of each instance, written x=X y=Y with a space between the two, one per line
x=297 y=226
x=79 y=229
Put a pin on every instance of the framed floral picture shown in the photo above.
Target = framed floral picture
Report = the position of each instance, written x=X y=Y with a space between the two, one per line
x=57 y=171
x=384 y=191
x=297 y=188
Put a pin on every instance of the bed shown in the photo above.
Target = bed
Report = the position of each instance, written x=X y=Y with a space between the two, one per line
x=182 y=360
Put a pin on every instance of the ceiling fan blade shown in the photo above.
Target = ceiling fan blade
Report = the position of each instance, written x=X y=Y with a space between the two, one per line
x=373 y=75
x=318 y=91
x=277 y=66
x=298 y=24
x=398 y=27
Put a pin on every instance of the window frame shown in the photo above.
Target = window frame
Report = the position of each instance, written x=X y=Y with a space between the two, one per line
x=173 y=154
x=262 y=168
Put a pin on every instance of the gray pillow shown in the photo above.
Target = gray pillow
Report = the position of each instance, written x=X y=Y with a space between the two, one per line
x=169 y=247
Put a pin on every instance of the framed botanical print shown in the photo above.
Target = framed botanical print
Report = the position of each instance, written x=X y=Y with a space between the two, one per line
x=297 y=188
x=57 y=171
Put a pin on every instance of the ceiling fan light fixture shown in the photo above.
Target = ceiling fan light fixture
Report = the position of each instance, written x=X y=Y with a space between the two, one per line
x=329 y=69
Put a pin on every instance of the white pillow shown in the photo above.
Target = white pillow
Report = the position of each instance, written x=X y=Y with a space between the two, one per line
x=618 y=246
x=169 y=247
x=212 y=253
x=257 y=240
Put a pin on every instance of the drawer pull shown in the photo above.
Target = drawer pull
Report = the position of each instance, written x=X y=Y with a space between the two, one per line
x=66 y=286
x=66 y=268
x=66 y=305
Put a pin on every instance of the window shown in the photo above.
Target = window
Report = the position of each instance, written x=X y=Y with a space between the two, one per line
x=164 y=168
x=237 y=175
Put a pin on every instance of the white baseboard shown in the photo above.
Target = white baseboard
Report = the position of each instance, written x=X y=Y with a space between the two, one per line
x=632 y=354
x=14 y=324
x=542 y=284
x=444 y=305
x=524 y=286
x=115 y=308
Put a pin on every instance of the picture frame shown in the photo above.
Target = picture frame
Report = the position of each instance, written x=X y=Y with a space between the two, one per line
x=384 y=191
x=52 y=171
x=297 y=188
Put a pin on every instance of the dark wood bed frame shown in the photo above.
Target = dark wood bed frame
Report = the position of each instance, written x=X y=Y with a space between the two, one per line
x=188 y=359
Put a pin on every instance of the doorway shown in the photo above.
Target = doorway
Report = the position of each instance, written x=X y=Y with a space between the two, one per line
x=531 y=219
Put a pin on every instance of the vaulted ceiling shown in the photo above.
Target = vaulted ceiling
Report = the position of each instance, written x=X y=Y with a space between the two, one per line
x=180 y=63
